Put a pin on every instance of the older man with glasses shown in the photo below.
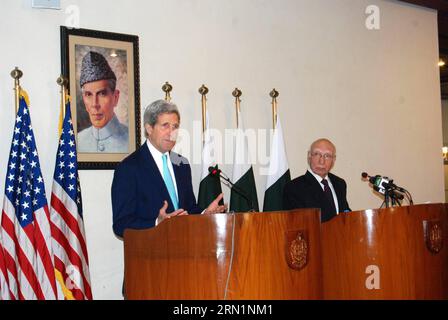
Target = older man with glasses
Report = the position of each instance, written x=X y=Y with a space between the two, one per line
x=318 y=188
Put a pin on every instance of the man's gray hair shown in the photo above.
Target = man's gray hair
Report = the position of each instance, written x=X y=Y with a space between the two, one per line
x=155 y=109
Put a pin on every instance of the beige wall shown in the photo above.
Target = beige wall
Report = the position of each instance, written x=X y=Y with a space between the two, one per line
x=374 y=93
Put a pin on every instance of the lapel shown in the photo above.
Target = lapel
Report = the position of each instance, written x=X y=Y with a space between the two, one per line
x=316 y=189
x=154 y=176
x=319 y=194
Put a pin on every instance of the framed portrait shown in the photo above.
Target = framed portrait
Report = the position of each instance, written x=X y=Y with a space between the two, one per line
x=102 y=69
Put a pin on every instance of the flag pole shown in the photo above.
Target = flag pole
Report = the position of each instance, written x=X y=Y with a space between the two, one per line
x=237 y=94
x=167 y=89
x=17 y=74
x=62 y=81
x=203 y=90
x=274 y=94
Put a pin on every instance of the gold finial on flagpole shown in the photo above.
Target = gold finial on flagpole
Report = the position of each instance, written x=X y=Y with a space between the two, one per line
x=167 y=88
x=17 y=74
x=274 y=94
x=203 y=90
x=63 y=82
x=237 y=94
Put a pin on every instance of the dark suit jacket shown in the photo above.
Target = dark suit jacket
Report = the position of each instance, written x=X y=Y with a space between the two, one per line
x=305 y=192
x=138 y=190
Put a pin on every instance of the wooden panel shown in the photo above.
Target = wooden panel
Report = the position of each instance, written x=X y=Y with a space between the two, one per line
x=431 y=271
x=243 y=256
x=260 y=269
x=183 y=258
x=391 y=240
x=189 y=257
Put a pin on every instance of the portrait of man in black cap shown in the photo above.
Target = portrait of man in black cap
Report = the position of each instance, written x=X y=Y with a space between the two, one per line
x=100 y=96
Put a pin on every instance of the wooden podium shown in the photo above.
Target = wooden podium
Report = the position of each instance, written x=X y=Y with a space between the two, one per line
x=225 y=256
x=395 y=253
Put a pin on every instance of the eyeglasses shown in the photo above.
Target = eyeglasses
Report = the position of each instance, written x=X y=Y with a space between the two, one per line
x=326 y=156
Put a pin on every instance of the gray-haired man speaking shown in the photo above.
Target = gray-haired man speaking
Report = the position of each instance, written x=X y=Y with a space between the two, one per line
x=100 y=97
x=154 y=183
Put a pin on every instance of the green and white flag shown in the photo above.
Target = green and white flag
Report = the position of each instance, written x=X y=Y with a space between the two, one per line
x=210 y=186
x=243 y=175
x=278 y=174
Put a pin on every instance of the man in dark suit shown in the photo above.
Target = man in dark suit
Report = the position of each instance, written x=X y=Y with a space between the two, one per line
x=154 y=183
x=318 y=188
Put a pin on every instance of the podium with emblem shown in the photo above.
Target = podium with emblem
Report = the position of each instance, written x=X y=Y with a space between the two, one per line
x=392 y=253
x=274 y=255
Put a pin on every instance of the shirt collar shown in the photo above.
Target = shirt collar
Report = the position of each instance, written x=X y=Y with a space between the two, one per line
x=318 y=177
x=154 y=152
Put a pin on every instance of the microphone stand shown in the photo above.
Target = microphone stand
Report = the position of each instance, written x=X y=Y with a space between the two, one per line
x=391 y=195
x=386 y=197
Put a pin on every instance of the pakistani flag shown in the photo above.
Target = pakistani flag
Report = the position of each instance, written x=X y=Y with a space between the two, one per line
x=243 y=196
x=210 y=186
x=278 y=174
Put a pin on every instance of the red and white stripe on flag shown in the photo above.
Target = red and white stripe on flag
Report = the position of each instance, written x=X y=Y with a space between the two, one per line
x=4 y=287
x=67 y=225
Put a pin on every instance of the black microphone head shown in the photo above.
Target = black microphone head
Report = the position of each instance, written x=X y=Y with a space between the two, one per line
x=214 y=170
x=364 y=175
x=373 y=180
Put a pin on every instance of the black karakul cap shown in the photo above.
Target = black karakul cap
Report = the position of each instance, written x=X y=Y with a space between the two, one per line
x=95 y=67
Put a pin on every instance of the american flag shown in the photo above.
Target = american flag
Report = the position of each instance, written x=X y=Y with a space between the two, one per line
x=67 y=225
x=25 y=223
x=4 y=287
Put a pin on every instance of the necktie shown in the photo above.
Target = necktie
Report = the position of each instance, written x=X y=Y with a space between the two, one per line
x=328 y=194
x=169 y=182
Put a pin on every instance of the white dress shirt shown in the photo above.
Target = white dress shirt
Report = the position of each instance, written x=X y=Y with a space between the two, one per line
x=157 y=155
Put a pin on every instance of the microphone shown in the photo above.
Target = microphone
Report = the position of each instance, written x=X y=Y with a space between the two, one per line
x=382 y=183
x=215 y=172
x=388 y=188
x=394 y=194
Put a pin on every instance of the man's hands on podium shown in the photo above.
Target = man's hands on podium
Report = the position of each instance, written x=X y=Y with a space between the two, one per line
x=215 y=207
x=163 y=215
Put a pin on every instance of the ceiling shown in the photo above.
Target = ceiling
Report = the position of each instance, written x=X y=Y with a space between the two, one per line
x=442 y=21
